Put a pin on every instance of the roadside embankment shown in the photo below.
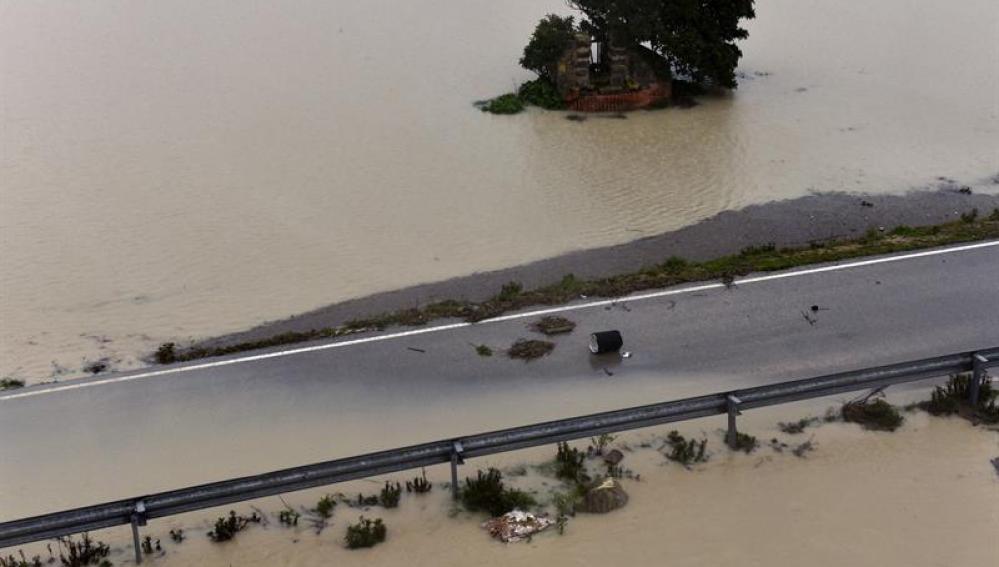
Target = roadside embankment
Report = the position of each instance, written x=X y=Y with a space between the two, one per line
x=778 y=235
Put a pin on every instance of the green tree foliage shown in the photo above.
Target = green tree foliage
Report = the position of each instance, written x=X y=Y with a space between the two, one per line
x=696 y=37
x=547 y=44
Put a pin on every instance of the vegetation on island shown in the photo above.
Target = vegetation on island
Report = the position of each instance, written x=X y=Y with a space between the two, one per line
x=672 y=271
x=688 y=41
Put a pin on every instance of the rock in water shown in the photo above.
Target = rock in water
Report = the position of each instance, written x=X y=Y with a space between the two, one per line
x=603 y=497
x=614 y=457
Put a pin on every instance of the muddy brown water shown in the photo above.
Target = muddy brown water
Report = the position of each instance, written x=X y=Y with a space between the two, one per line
x=183 y=169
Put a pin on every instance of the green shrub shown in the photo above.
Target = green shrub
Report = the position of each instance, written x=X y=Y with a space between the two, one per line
x=227 y=527
x=288 y=517
x=569 y=464
x=875 y=415
x=10 y=384
x=390 y=494
x=21 y=560
x=504 y=104
x=684 y=451
x=486 y=493
x=325 y=506
x=745 y=442
x=548 y=41
x=483 y=350
x=87 y=551
x=166 y=354
x=365 y=533
x=796 y=427
x=419 y=485
x=955 y=395
x=541 y=92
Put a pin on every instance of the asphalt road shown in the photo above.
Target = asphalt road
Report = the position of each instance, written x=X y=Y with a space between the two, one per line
x=109 y=437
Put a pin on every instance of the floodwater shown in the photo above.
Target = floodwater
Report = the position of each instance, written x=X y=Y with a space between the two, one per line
x=923 y=496
x=171 y=170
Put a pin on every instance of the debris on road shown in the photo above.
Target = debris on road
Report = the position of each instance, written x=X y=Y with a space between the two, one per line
x=414 y=349
x=605 y=341
x=528 y=350
x=554 y=325
x=516 y=526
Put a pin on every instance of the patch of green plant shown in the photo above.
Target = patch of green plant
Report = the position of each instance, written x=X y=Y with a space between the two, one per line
x=955 y=396
x=11 y=384
x=483 y=350
x=486 y=493
x=600 y=444
x=873 y=414
x=569 y=464
x=82 y=552
x=363 y=500
x=565 y=504
x=759 y=249
x=686 y=451
x=745 y=442
x=150 y=546
x=390 y=494
x=324 y=508
x=227 y=527
x=994 y=217
x=796 y=427
x=903 y=230
x=420 y=484
x=366 y=533
x=541 y=92
x=671 y=272
x=288 y=517
x=508 y=103
x=528 y=350
x=177 y=535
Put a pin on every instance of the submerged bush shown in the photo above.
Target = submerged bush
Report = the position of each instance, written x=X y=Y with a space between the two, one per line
x=325 y=506
x=796 y=427
x=420 y=484
x=365 y=533
x=504 y=104
x=87 y=551
x=569 y=464
x=951 y=398
x=390 y=494
x=486 y=493
x=227 y=527
x=745 y=442
x=541 y=92
x=684 y=451
x=875 y=415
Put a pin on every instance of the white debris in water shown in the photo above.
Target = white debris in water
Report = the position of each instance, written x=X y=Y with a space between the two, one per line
x=516 y=525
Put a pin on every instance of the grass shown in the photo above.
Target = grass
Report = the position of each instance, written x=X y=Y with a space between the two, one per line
x=11 y=384
x=483 y=350
x=390 y=494
x=324 y=508
x=86 y=551
x=670 y=272
x=569 y=464
x=528 y=350
x=745 y=442
x=486 y=493
x=366 y=533
x=288 y=517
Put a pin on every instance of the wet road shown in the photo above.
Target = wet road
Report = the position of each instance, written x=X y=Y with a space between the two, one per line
x=132 y=433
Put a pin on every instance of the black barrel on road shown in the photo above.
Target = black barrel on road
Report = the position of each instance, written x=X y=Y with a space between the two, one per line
x=605 y=341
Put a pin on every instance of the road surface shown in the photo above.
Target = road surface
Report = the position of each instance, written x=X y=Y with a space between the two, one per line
x=79 y=443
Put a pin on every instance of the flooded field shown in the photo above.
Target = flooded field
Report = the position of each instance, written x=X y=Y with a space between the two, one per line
x=176 y=170
x=923 y=496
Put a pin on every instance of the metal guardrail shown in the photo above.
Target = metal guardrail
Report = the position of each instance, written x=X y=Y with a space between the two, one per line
x=136 y=511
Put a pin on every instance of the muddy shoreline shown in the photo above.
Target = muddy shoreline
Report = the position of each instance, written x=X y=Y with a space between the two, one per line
x=788 y=223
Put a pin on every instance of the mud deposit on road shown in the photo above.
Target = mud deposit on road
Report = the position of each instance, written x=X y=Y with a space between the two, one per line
x=924 y=496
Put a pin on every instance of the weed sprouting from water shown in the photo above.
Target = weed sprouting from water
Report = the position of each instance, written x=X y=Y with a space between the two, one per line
x=796 y=427
x=86 y=551
x=390 y=494
x=324 y=508
x=873 y=413
x=486 y=493
x=227 y=527
x=745 y=442
x=420 y=484
x=569 y=464
x=684 y=451
x=288 y=517
x=365 y=533
x=954 y=398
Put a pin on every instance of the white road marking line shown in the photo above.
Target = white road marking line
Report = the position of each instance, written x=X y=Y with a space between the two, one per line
x=561 y=309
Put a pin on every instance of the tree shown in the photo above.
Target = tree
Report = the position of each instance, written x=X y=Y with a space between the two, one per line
x=547 y=44
x=696 y=37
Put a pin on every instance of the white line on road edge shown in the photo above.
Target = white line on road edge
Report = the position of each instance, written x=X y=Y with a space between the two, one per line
x=575 y=307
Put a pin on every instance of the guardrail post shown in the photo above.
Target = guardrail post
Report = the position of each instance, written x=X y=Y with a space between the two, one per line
x=978 y=363
x=733 y=410
x=138 y=519
x=456 y=459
